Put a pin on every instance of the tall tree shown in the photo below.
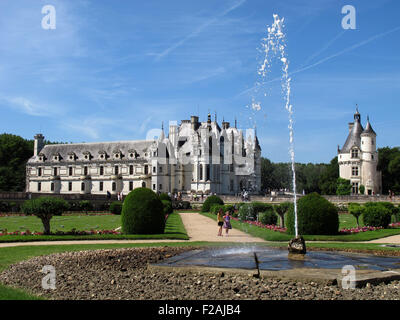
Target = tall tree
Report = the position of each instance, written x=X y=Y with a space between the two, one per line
x=14 y=153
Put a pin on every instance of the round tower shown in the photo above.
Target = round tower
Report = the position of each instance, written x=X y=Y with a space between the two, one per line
x=370 y=175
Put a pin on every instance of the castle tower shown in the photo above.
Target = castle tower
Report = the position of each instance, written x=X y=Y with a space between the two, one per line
x=358 y=158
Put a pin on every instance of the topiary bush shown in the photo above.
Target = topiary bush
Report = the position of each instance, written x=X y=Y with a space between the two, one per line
x=316 y=216
x=268 y=217
x=85 y=206
x=376 y=215
x=167 y=206
x=116 y=207
x=230 y=208
x=45 y=208
x=246 y=212
x=209 y=202
x=142 y=213
x=356 y=210
x=261 y=207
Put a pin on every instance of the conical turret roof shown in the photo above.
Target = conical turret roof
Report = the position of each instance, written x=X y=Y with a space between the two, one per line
x=368 y=128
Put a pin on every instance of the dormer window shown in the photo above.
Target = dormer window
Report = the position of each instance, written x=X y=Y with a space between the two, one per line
x=56 y=157
x=102 y=155
x=87 y=155
x=42 y=157
x=71 y=156
x=354 y=153
x=133 y=154
x=117 y=154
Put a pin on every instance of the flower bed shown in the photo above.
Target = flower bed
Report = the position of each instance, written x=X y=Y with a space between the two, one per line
x=394 y=225
x=73 y=232
x=266 y=226
x=359 y=229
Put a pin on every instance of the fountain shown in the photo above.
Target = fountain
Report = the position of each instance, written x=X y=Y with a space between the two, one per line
x=274 y=46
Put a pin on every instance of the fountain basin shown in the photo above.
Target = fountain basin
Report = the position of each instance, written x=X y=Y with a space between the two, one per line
x=318 y=266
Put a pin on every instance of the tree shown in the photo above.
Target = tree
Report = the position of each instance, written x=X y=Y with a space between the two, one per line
x=45 y=208
x=356 y=210
x=14 y=153
x=281 y=210
x=387 y=159
x=343 y=187
x=329 y=176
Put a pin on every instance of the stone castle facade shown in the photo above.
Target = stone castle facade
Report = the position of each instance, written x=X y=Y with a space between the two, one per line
x=358 y=158
x=196 y=157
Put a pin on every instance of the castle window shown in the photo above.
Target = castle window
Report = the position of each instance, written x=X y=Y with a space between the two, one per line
x=160 y=186
x=54 y=171
x=154 y=169
x=39 y=172
x=201 y=173
x=116 y=170
x=101 y=170
x=39 y=187
x=354 y=153
x=114 y=186
x=143 y=184
x=372 y=157
x=130 y=185
x=354 y=188
x=101 y=186
x=69 y=186
x=52 y=186
x=82 y=186
x=146 y=169
x=85 y=171
x=154 y=186
x=70 y=171
x=130 y=169
x=354 y=171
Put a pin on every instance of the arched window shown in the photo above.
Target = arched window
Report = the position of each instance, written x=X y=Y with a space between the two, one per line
x=222 y=147
x=82 y=186
x=143 y=184
x=114 y=186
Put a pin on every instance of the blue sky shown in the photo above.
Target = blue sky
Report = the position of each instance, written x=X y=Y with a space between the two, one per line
x=113 y=70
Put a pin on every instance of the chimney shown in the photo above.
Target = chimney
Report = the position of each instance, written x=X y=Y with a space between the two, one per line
x=194 y=120
x=38 y=144
x=351 y=125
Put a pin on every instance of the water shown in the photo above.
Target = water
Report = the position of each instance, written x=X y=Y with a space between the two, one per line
x=274 y=46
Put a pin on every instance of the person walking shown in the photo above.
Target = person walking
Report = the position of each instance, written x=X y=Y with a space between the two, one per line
x=227 y=222
x=220 y=220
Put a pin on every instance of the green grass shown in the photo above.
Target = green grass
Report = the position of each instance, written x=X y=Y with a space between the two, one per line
x=174 y=229
x=62 y=223
x=8 y=293
x=270 y=235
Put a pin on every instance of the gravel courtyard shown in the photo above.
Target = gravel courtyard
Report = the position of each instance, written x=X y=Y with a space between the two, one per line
x=123 y=274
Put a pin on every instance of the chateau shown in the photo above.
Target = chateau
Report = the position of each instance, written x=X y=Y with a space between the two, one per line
x=196 y=157
x=358 y=158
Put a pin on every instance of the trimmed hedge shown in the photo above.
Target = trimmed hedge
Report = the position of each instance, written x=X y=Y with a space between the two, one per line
x=142 y=213
x=268 y=217
x=167 y=206
x=116 y=207
x=377 y=215
x=209 y=202
x=316 y=216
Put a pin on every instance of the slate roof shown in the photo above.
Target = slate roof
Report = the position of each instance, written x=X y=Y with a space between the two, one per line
x=354 y=137
x=79 y=149
x=368 y=128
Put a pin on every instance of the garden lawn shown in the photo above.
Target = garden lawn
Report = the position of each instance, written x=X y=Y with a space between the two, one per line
x=62 y=223
x=345 y=222
x=174 y=229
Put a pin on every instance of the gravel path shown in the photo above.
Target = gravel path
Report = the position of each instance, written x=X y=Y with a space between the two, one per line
x=123 y=274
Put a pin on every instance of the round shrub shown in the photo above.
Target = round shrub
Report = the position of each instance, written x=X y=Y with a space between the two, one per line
x=316 y=216
x=246 y=212
x=142 y=213
x=116 y=207
x=167 y=206
x=85 y=205
x=230 y=208
x=376 y=216
x=268 y=217
x=209 y=202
